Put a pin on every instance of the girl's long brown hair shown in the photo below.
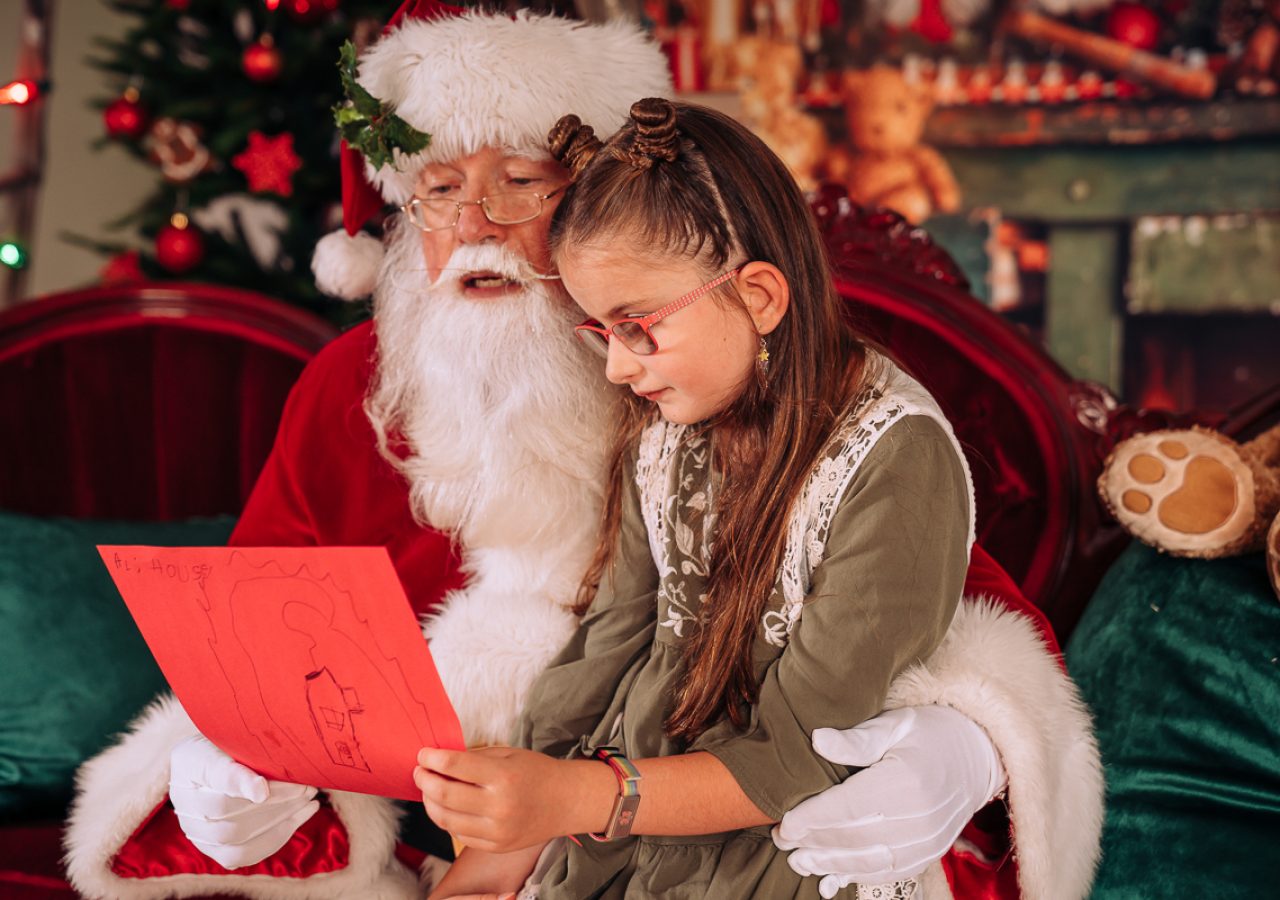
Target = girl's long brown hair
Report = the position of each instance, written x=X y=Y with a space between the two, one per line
x=690 y=181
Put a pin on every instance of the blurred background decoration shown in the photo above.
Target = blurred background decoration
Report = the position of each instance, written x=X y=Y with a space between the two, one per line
x=24 y=94
x=1105 y=172
x=230 y=104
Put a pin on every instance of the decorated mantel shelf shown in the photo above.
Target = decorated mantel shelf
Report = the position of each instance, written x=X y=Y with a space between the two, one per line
x=1103 y=122
x=1110 y=187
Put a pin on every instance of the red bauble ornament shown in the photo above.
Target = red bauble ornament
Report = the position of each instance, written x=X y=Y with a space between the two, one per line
x=1134 y=25
x=262 y=61
x=308 y=11
x=178 y=5
x=179 y=246
x=126 y=117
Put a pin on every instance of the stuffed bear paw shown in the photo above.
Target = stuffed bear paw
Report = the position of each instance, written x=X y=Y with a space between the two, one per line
x=1194 y=492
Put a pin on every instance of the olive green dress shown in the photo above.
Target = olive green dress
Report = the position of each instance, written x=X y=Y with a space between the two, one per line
x=881 y=568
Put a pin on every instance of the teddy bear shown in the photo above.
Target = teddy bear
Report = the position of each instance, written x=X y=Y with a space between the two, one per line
x=771 y=71
x=885 y=164
x=1196 y=493
x=771 y=109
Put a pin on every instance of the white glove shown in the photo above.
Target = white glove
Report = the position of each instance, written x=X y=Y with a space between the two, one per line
x=929 y=769
x=231 y=813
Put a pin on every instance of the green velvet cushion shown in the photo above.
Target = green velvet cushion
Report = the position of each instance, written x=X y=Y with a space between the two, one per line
x=1178 y=660
x=73 y=666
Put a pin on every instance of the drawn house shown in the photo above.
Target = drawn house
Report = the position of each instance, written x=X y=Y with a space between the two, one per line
x=333 y=710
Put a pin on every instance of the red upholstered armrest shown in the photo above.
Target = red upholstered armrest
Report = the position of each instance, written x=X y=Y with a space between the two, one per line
x=152 y=401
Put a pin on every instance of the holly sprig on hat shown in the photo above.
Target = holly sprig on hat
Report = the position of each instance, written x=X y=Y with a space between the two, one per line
x=367 y=123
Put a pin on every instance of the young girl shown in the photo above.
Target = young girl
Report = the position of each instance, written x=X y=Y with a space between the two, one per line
x=787 y=528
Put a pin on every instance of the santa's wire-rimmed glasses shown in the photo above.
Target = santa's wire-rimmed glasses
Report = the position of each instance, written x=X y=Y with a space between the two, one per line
x=509 y=208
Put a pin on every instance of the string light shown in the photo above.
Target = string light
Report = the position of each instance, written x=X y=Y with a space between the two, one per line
x=12 y=254
x=20 y=92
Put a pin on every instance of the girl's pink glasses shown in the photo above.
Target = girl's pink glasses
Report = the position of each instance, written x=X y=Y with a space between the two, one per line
x=635 y=334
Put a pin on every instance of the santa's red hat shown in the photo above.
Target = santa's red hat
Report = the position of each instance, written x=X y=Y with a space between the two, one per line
x=472 y=80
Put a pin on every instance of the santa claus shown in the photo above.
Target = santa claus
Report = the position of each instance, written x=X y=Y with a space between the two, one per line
x=462 y=430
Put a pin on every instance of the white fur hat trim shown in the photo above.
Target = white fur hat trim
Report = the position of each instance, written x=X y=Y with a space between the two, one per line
x=479 y=80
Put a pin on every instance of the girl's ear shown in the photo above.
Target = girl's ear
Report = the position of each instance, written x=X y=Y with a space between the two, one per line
x=765 y=293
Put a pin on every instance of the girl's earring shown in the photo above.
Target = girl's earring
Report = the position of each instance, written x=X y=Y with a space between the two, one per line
x=762 y=358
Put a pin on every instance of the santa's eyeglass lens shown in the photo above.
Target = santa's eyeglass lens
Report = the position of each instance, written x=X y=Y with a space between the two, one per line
x=513 y=208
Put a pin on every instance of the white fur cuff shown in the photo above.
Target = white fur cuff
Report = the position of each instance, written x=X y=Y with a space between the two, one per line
x=993 y=667
x=118 y=789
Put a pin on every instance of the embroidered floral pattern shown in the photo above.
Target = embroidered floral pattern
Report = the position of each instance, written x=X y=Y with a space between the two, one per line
x=657 y=449
x=676 y=609
x=676 y=485
x=897 y=890
x=674 y=478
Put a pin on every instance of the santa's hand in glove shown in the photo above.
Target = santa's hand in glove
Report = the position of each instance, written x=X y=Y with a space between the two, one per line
x=231 y=813
x=929 y=769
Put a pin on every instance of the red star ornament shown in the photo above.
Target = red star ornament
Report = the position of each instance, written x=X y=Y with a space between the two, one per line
x=122 y=268
x=269 y=163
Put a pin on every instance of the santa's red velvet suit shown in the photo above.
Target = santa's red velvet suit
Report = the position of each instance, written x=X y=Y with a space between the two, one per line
x=498 y=587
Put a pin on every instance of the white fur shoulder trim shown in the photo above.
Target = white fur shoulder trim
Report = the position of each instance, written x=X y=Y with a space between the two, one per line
x=490 y=641
x=993 y=667
x=120 y=787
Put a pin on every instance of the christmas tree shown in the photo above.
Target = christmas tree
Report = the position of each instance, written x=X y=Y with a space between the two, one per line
x=232 y=101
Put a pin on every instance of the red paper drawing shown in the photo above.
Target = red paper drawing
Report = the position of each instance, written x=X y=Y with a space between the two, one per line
x=304 y=663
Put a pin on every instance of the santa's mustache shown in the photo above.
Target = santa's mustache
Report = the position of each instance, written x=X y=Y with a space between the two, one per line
x=493 y=259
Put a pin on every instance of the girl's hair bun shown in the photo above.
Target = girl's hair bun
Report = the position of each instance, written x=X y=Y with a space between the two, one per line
x=573 y=144
x=656 y=137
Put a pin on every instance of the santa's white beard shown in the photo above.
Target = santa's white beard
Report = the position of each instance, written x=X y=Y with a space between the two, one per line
x=505 y=413
x=506 y=417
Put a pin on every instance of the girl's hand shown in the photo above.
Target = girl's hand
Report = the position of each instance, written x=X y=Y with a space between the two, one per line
x=476 y=875
x=501 y=799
